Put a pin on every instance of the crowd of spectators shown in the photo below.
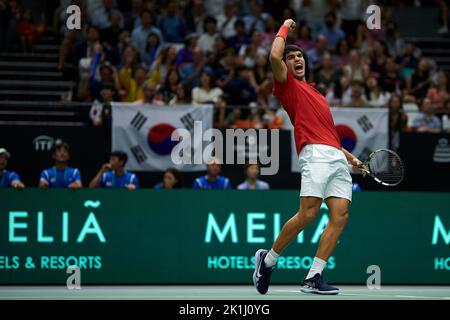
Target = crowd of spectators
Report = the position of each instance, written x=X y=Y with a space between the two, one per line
x=176 y=52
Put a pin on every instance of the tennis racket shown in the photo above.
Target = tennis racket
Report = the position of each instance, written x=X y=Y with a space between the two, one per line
x=385 y=167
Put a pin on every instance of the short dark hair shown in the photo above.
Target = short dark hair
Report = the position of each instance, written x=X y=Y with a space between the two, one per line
x=248 y=165
x=60 y=144
x=177 y=175
x=209 y=19
x=146 y=11
x=293 y=48
x=330 y=14
x=238 y=23
x=121 y=155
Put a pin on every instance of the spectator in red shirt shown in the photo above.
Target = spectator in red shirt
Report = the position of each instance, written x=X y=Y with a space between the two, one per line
x=27 y=31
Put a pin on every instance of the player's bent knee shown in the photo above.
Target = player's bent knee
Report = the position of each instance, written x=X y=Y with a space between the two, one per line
x=308 y=214
x=341 y=219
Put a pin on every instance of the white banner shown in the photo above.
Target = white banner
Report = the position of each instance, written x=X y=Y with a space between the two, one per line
x=144 y=132
x=361 y=131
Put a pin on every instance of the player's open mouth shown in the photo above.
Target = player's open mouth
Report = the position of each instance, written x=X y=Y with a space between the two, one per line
x=298 y=67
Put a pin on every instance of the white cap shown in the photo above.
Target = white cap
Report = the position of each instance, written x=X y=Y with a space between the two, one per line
x=5 y=152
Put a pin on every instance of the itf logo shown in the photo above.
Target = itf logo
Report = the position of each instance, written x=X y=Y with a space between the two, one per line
x=43 y=143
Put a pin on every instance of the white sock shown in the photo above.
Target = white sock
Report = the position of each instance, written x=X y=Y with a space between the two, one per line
x=317 y=266
x=271 y=258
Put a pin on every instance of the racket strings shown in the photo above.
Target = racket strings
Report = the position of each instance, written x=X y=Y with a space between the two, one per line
x=387 y=166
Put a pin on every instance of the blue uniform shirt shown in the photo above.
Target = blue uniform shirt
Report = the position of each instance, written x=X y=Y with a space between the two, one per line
x=221 y=183
x=60 y=178
x=111 y=180
x=7 y=178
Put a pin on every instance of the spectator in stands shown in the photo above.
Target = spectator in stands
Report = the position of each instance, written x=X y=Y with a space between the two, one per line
x=27 y=31
x=219 y=112
x=315 y=53
x=240 y=89
x=375 y=96
x=9 y=18
x=390 y=80
x=152 y=49
x=327 y=75
x=304 y=38
x=261 y=67
x=440 y=91
x=101 y=17
x=169 y=89
x=214 y=58
x=132 y=18
x=190 y=72
x=206 y=92
x=194 y=14
x=108 y=76
x=172 y=23
x=160 y=68
x=114 y=175
x=171 y=180
x=206 y=40
x=183 y=95
x=248 y=52
x=8 y=179
x=394 y=43
x=357 y=95
x=351 y=14
x=315 y=12
x=252 y=182
x=378 y=57
x=255 y=19
x=418 y=83
x=331 y=31
x=268 y=35
x=87 y=55
x=124 y=43
x=356 y=69
x=408 y=60
x=342 y=93
x=426 y=121
x=265 y=97
x=184 y=55
x=110 y=35
x=443 y=11
x=101 y=113
x=140 y=34
x=60 y=175
x=150 y=94
x=213 y=179
x=398 y=119
x=341 y=54
x=240 y=38
x=226 y=20
x=132 y=81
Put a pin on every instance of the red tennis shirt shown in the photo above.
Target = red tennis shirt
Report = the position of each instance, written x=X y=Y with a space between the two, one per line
x=309 y=112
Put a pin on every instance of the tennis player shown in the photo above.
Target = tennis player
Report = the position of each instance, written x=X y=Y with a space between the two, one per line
x=323 y=164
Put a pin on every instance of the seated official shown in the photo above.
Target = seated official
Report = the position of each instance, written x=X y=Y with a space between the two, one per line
x=213 y=180
x=113 y=174
x=171 y=180
x=252 y=182
x=8 y=179
x=61 y=175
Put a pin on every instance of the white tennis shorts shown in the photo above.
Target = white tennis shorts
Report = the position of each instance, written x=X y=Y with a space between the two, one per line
x=325 y=172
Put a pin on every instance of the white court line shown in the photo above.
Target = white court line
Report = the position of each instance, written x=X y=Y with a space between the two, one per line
x=375 y=295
